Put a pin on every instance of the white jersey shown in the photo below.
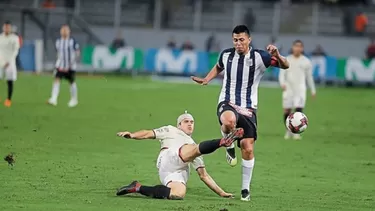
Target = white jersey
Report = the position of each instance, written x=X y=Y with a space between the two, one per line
x=299 y=72
x=9 y=47
x=242 y=75
x=173 y=138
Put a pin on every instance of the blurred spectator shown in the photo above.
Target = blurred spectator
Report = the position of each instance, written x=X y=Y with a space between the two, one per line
x=49 y=4
x=187 y=46
x=171 y=43
x=318 y=51
x=212 y=45
x=361 y=22
x=250 y=19
x=70 y=4
x=347 y=21
x=119 y=41
x=168 y=7
x=370 y=53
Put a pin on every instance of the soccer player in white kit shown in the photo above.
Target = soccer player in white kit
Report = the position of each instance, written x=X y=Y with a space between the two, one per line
x=178 y=151
x=9 y=47
x=243 y=68
x=293 y=82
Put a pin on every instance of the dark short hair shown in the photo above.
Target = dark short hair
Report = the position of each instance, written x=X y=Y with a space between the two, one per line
x=7 y=22
x=298 y=42
x=241 y=29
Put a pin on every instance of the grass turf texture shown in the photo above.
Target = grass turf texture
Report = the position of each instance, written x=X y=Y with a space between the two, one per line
x=70 y=159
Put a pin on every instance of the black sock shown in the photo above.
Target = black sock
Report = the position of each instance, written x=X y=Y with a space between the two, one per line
x=207 y=147
x=299 y=109
x=10 y=89
x=286 y=114
x=158 y=191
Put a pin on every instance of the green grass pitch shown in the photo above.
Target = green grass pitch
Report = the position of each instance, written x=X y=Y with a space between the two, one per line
x=70 y=159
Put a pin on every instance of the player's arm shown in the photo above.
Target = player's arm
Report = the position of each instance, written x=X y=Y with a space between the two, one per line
x=159 y=133
x=310 y=78
x=207 y=179
x=215 y=71
x=277 y=60
x=142 y=134
x=282 y=78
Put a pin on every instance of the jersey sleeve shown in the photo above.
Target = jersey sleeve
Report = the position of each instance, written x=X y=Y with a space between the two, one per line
x=198 y=163
x=162 y=132
x=267 y=59
x=220 y=62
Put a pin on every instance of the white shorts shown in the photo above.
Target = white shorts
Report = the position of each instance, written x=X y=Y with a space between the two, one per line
x=293 y=100
x=9 y=73
x=171 y=167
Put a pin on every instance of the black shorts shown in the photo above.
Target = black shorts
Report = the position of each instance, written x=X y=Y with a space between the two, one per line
x=70 y=75
x=246 y=119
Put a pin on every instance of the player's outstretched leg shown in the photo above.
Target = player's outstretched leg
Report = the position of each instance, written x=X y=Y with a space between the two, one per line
x=157 y=191
x=287 y=112
x=8 y=101
x=189 y=152
x=228 y=119
x=73 y=95
x=55 y=92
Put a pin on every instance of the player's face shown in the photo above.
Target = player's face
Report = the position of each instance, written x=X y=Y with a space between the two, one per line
x=65 y=31
x=297 y=49
x=187 y=125
x=7 y=28
x=241 y=42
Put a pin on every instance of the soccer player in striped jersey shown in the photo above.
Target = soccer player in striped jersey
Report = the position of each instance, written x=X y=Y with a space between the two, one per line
x=9 y=47
x=293 y=82
x=67 y=55
x=243 y=68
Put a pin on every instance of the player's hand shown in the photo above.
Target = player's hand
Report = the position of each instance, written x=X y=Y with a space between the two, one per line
x=125 y=134
x=6 y=65
x=283 y=87
x=313 y=96
x=227 y=195
x=198 y=80
x=273 y=50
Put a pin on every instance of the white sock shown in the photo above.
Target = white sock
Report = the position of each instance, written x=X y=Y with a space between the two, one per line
x=73 y=91
x=247 y=172
x=55 y=91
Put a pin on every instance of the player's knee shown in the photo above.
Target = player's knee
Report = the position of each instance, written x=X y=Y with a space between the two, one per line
x=178 y=191
x=228 y=119
x=247 y=150
x=177 y=196
x=247 y=147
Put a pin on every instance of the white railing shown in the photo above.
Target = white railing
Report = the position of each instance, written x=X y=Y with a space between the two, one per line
x=237 y=15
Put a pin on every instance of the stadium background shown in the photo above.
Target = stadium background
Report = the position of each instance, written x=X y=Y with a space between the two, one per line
x=69 y=159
